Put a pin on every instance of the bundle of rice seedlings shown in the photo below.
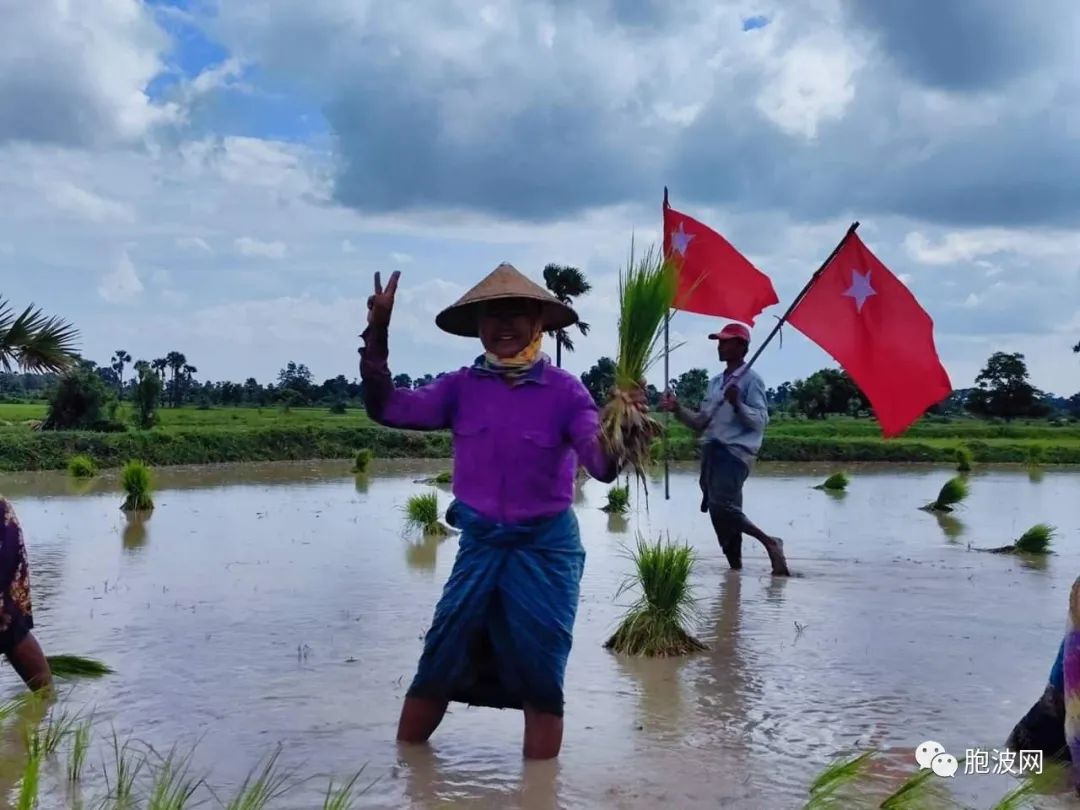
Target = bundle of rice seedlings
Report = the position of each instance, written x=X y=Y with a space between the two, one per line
x=1034 y=455
x=952 y=493
x=837 y=776
x=1035 y=540
x=964 y=459
x=442 y=478
x=76 y=666
x=618 y=500
x=647 y=291
x=422 y=515
x=653 y=626
x=837 y=482
x=136 y=482
x=82 y=467
x=363 y=461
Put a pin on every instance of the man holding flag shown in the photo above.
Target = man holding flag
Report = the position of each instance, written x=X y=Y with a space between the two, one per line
x=732 y=420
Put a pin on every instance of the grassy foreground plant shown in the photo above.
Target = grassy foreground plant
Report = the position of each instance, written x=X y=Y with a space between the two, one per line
x=82 y=467
x=363 y=461
x=647 y=292
x=137 y=483
x=422 y=515
x=964 y=459
x=654 y=624
x=952 y=493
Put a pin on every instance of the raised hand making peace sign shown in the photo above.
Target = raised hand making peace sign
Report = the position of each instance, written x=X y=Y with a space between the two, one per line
x=381 y=304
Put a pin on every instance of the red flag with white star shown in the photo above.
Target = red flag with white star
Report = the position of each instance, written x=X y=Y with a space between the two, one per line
x=714 y=278
x=871 y=324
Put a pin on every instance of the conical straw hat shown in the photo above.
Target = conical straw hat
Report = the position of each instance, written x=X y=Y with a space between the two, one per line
x=504 y=282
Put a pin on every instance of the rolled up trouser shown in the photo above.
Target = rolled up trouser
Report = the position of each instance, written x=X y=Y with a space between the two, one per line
x=722 y=477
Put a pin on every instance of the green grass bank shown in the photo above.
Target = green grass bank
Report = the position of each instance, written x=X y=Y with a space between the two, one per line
x=219 y=435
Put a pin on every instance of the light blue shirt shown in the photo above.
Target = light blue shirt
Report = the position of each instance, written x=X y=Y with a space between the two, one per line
x=741 y=428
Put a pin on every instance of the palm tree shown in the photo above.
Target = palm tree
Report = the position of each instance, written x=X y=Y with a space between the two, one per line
x=566 y=284
x=120 y=359
x=175 y=361
x=141 y=368
x=159 y=366
x=34 y=342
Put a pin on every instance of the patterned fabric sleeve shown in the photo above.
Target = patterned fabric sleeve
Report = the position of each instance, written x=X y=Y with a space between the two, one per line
x=16 y=612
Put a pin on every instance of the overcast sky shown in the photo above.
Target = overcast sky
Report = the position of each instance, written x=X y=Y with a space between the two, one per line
x=223 y=178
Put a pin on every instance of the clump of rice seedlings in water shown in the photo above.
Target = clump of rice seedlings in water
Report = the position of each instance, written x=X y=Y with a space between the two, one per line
x=1034 y=456
x=618 y=500
x=80 y=747
x=837 y=482
x=137 y=483
x=259 y=790
x=654 y=624
x=952 y=493
x=77 y=666
x=422 y=515
x=833 y=779
x=647 y=291
x=82 y=467
x=1035 y=540
x=363 y=461
x=964 y=459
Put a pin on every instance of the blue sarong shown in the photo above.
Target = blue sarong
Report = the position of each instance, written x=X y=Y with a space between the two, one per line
x=503 y=627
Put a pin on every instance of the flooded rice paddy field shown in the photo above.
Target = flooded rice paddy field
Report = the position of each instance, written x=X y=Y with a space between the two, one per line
x=281 y=603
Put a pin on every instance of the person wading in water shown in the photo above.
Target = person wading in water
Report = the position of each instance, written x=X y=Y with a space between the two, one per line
x=732 y=422
x=502 y=630
x=16 y=612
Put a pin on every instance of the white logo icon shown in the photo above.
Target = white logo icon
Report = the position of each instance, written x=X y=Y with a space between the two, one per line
x=944 y=765
x=926 y=752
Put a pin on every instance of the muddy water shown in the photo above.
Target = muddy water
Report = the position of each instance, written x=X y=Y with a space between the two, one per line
x=281 y=603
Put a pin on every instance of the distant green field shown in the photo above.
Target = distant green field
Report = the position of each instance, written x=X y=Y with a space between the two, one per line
x=196 y=436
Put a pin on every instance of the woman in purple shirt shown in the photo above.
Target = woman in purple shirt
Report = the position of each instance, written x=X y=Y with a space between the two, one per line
x=502 y=630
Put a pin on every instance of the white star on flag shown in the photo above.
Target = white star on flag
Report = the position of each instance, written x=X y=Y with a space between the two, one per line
x=680 y=240
x=860 y=289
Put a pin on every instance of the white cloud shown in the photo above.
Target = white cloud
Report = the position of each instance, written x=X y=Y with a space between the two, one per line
x=121 y=284
x=78 y=202
x=247 y=246
x=969 y=245
x=401 y=258
x=77 y=72
x=347 y=246
x=195 y=244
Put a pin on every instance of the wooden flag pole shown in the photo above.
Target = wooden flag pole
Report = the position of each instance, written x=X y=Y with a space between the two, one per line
x=798 y=299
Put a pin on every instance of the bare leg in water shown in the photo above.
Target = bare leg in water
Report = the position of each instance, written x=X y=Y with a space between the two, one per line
x=421 y=716
x=28 y=660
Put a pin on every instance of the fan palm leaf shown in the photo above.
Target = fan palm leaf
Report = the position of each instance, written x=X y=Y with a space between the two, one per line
x=36 y=342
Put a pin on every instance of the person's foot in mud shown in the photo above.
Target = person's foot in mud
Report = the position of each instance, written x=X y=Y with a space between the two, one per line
x=775 y=549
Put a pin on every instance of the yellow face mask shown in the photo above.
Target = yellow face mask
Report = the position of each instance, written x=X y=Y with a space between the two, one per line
x=526 y=357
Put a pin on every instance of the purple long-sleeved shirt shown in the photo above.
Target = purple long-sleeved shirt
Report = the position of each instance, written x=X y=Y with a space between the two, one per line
x=516 y=448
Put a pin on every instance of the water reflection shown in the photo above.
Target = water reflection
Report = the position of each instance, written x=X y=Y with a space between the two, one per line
x=485 y=779
x=661 y=705
x=422 y=554
x=1036 y=474
x=135 y=532
x=951 y=525
x=80 y=486
x=617 y=524
x=361 y=482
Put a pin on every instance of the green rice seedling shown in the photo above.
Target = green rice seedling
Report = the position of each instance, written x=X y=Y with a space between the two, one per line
x=1035 y=540
x=1034 y=455
x=127 y=765
x=647 y=290
x=837 y=776
x=30 y=783
x=82 y=467
x=837 y=482
x=77 y=666
x=137 y=483
x=344 y=797
x=363 y=461
x=952 y=493
x=914 y=794
x=173 y=785
x=80 y=747
x=618 y=500
x=654 y=624
x=1054 y=776
x=262 y=786
x=443 y=478
x=57 y=728
x=422 y=515
x=964 y=459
